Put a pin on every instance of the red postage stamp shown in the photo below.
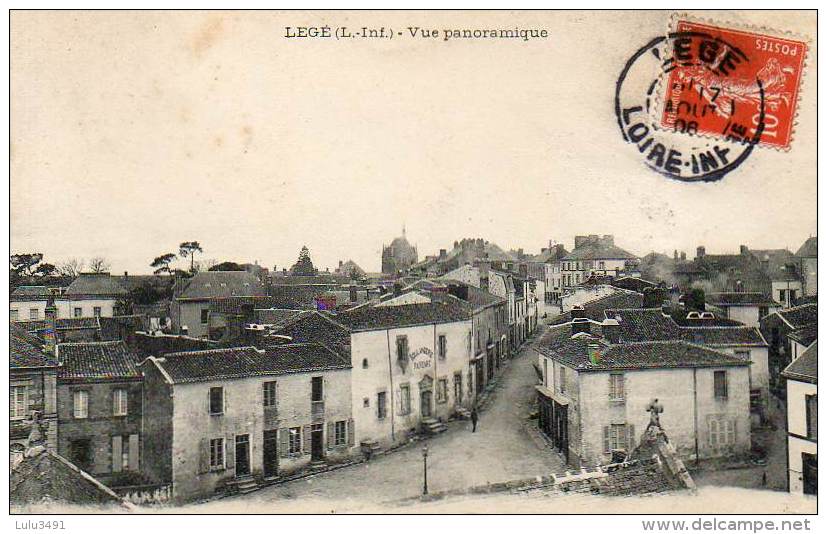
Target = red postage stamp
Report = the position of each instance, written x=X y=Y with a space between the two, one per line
x=743 y=85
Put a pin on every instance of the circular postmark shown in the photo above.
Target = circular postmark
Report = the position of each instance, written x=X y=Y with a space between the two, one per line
x=670 y=86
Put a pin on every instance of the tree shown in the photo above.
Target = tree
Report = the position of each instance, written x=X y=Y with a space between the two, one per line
x=695 y=299
x=227 y=266
x=190 y=248
x=161 y=263
x=99 y=264
x=25 y=267
x=70 y=268
x=304 y=265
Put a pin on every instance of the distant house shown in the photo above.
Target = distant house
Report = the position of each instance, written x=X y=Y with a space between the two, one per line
x=747 y=308
x=350 y=269
x=32 y=388
x=777 y=328
x=593 y=254
x=807 y=257
x=594 y=395
x=100 y=410
x=29 y=303
x=91 y=295
x=190 y=307
x=229 y=419
x=66 y=329
x=802 y=422
x=546 y=267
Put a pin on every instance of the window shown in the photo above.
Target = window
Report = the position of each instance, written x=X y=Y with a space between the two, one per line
x=14 y=315
x=721 y=432
x=616 y=387
x=602 y=265
x=269 y=394
x=364 y=363
x=404 y=399
x=442 y=390
x=125 y=450
x=442 y=346
x=340 y=433
x=381 y=404
x=317 y=389
x=720 y=385
x=561 y=386
x=216 y=400
x=811 y=402
x=216 y=454
x=80 y=402
x=294 y=442
x=401 y=348
x=18 y=402
x=34 y=313
x=615 y=437
x=457 y=388
x=119 y=402
x=96 y=311
x=205 y=316
x=366 y=402
x=78 y=312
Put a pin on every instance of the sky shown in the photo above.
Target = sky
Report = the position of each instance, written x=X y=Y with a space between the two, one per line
x=134 y=131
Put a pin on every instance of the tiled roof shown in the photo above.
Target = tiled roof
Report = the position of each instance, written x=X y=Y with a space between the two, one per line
x=800 y=316
x=299 y=297
x=809 y=249
x=103 y=360
x=239 y=305
x=740 y=299
x=805 y=335
x=633 y=284
x=558 y=344
x=596 y=250
x=242 y=362
x=805 y=367
x=683 y=320
x=94 y=285
x=31 y=293
x=595 y=309
x=26 y=350
x=212 y=284
x=318 y=327
x=276 y=316
x=382 y=317
x=649 y=324
x=65 y=323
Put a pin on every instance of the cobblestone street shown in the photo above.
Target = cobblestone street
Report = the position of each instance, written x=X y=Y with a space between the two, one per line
x=500 y=450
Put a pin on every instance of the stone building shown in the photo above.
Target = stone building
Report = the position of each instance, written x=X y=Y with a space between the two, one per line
x=100 y=410
x=777 y=328
x=32 y=389
x=91 y=295
x=28 y=303
x=229 y=419
x=807 y=256
x=802 y=422
x=593 y=254
x=745 y=307
x=399 y=255
x=594 y=395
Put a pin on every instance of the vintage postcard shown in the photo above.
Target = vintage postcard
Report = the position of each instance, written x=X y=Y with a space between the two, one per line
x=413 y=262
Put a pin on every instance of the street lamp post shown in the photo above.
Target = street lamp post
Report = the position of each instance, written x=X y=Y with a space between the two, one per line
x=425 y=469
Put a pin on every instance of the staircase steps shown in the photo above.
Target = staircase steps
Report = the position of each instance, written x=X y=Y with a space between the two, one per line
x=433 y=426
x=246 y=485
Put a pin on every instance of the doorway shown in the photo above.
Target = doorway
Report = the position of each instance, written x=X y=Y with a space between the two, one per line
x=425 y=403
x=80 y=452
x=271 y=453
x=317 y=443
x=242 y=455
x=809 y=464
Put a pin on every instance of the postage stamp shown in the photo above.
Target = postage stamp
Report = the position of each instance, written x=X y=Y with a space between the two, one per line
x=718 y=89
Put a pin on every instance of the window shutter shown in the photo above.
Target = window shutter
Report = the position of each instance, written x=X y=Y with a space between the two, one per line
x=306 y=439
x=607 y=446
x=229 y=451
x=398 y=402
x=134 y=452
x=331 y=435
x=351 y=432
x=260 y=395
x=284 y=442
x=208 y=401
x=117 y=449
x=630 y=440
x=203 y=456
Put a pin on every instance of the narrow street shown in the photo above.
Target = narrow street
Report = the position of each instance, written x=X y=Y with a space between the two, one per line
x=500 y=450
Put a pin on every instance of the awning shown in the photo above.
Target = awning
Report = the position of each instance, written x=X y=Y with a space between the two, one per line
x=546 y=392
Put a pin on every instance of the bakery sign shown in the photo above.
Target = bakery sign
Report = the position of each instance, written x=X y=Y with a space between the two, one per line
x=421 y=358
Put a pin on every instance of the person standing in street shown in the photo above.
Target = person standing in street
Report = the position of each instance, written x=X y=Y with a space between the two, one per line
x=474 y=417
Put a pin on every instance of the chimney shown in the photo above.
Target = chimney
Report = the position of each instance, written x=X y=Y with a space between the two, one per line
x=611 y=330
x=340 y=264
x=50 y=335
x=126 y=274
x=443 y=253
x=577 y=312
x=582 y=325
x=683 y=256
x=700 y=252
x=676 y=255
x=744 y=250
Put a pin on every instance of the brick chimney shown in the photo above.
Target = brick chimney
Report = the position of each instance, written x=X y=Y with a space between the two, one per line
x=611 y=330
x=443 y=253
x=50 y=335
x=700 y=252
x=577 y=312
x=580 y=325
x=744 y=250
x=683 y=256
